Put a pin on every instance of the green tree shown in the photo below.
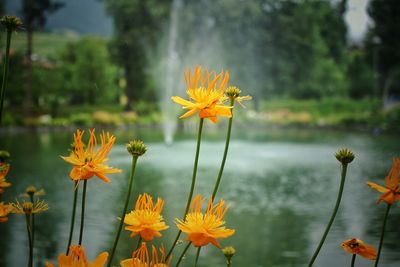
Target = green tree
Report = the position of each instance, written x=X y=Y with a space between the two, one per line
x=89 y=77
x=137 y=28
x=383 y=44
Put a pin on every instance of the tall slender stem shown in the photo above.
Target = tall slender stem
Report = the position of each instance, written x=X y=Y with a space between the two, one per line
x=353 y=260
x=197 y=256
x=228 y=138
x=128 y=196
x=183 y=254
x=83 y=211
x=328 y=227
x=138 y=242
x=196 y=161
x=32 y=223
x=28 y=227
x=382 y=235
x=5 y=73
x=71 y=231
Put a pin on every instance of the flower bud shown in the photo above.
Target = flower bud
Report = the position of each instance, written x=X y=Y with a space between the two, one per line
x=136 y=148
x=233 y=92
x=345 y=156
x=4 y=155
x=10 y=22
x=228 y=253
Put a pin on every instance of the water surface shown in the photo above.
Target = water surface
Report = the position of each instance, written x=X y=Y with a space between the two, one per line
x=281 y=186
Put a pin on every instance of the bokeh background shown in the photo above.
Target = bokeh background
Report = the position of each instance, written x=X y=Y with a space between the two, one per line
x=323 y=75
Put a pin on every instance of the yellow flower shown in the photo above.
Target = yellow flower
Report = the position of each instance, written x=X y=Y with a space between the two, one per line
x=357 y=246
x=391 y=193
x=146 y=218
x=77 y=258
x=205 y=228
x=141 y=258
x=5 y=209
x=206 y=93
x=91 y=162
x=28 y=207
x=4 y=169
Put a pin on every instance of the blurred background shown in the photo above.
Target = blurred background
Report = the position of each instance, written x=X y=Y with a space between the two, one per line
x=323 y=75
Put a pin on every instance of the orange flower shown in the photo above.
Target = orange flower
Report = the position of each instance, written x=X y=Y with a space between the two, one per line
x=91 y=162
x=146 y=218
x=391 y=193
x=77 y=258
x=5 y=209
x=4 y=169
x=205 y=228
x=207 y=94
x=140 y=258
x=357 y=246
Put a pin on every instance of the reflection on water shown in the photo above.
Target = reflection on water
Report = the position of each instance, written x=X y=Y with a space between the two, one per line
x=281 y=187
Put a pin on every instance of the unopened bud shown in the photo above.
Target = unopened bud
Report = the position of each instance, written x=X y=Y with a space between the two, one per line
x=345 y=156
x=233 y=92
x=136 y=148
x=11 y=22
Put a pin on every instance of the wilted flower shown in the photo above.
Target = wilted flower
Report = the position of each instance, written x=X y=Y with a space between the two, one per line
x=28 y=207
x=357 y=246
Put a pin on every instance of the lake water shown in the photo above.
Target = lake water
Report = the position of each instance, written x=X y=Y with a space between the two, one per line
x=281 y=186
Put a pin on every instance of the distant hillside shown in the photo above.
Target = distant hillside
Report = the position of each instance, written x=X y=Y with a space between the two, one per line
x=80 y=16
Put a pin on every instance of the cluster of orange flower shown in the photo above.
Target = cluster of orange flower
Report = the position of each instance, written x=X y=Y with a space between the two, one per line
x=208 y=93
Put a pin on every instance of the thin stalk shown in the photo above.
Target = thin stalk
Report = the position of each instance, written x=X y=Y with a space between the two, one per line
x=83 y=211
x=228 y=138
x=183 y=254
x=128 y=196
x=71 y=231
x=28 y=227
x=32 y=223
x=196 y=161
x=353 y=260
x=382 y=234
x=5 y=73
x=197 y=256
x=228 y=263
x=138 y=242
x=328 y=227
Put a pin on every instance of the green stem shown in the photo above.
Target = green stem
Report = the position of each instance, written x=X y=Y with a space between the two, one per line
x=128 y=196
x=339 y=197
x=228 y=263
x=83 y=211
x=197 y=256
x=353 y=260
x=71 y=231
x=32 y=223
x=228 y=138
x=382 y=235
x=138 y=242
x=196 y=161
x=28 y=227
x=182 y=255
x=5 y=73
